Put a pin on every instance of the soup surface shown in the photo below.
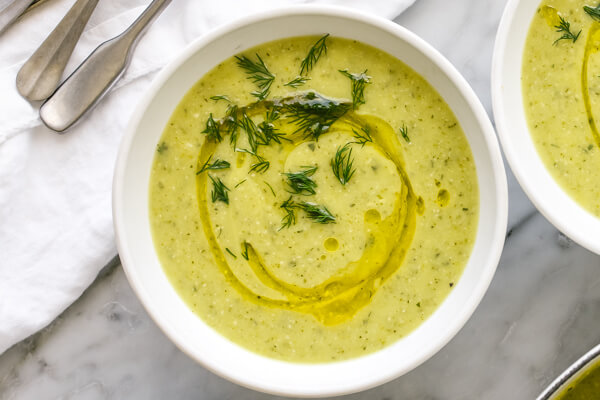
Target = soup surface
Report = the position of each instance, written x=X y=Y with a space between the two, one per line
x=561 y=91
x=586 y=387
x=313 y=199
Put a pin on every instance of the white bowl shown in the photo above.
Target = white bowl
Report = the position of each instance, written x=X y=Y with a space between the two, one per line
x=190 y=333
x=571 y=375
x=545 y=193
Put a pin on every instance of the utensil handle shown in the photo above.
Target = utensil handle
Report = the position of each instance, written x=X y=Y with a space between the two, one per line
x=13 y=11
x=41 y=73
x=82 y=91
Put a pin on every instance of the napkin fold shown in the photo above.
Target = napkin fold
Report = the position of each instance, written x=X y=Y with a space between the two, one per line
x=55 y=190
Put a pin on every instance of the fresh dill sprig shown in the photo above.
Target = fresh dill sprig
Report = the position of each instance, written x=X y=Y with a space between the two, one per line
x=565 y=27
x=404 y=133
x=245 y=250
x=314 y=53
x=261 y=165
x=359 y=82
x=342 y=164
x=313 y=114
x=212 y=129
x=219 y=192
x=363 y=136
x=318 y=213
x=259 y=74
x=297 y=81
x=270 y=187
x=301 y=182
x=251 y=130
x=290 y=216
x=239 y=183
x=230 y=252
x=217 y=164
x=267 y=131
x=230 y=123
x=220 y=97
x=593 y=12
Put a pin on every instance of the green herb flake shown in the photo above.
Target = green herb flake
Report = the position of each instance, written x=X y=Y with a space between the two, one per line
x=230 y=252
x=219 y=192
x=270 y=187
x=161 y=147
x=297 y=82
x=245 y=250
x=342 y=164
x=404 y=133
x=301 y=182
x=565 y=28
x=220 y=97
x=313 y=55
x=212 y=130
x=261 y=165
x=359 y=83
x=318 y=213
x=217 y=164
x=593 y=12
x=290 y=217
x=258 y=73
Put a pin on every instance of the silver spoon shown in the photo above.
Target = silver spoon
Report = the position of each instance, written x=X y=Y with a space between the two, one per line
x=81 y=91
x=11 y=12
x=40 y=75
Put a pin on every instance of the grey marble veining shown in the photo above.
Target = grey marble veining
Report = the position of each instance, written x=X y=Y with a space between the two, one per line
x=541 y=313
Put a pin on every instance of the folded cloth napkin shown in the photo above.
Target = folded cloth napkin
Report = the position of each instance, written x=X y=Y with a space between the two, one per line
x=55 y=190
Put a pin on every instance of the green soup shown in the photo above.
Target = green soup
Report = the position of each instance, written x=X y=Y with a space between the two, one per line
x=586 y=387
x=561 y=91
x=313 y=199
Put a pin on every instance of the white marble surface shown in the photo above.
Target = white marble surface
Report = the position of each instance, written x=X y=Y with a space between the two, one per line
x=541 y=313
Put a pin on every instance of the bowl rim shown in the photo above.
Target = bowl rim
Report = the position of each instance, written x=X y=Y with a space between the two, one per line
x=528 y=183
x=462 y=87
x=571 y=374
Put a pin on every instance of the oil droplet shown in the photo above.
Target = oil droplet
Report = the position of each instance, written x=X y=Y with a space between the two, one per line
x=551 y=15
x=443 y=198
x=331 y=244
x=372 y=216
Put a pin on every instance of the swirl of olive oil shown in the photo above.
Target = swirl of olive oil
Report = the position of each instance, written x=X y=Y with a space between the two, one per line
x=592 y=45
x=338 y=298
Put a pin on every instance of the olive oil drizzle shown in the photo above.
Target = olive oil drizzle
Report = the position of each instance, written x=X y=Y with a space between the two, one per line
x=342 y=295
x=592 y=46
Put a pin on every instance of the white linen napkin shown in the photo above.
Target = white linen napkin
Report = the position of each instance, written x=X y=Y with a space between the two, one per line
x=55 y=190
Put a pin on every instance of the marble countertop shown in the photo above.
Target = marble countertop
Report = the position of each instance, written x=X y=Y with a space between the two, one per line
x=540 y=314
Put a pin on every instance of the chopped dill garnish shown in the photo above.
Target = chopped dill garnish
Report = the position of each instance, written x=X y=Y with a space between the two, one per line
x=301 y=182
x=404 y=133
x=290 y=216
x=318 y=213
x=239 y=183
x=258 y=73
x=261 y=164
x=251 y=130
x=359 y=82
x=230 y=252
x=212 y=130
x=267 y=131
x=161 y=147
x=220 y=97
x=342 y=164
x=593 y=12
x=218 y=164
x=230 y=123
x=270 y=187
x=313 y=114
x=219 y=192
x=245 y=250
x=565 y=27
x=363 y=136
x=297 y=81
x=314 y=53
